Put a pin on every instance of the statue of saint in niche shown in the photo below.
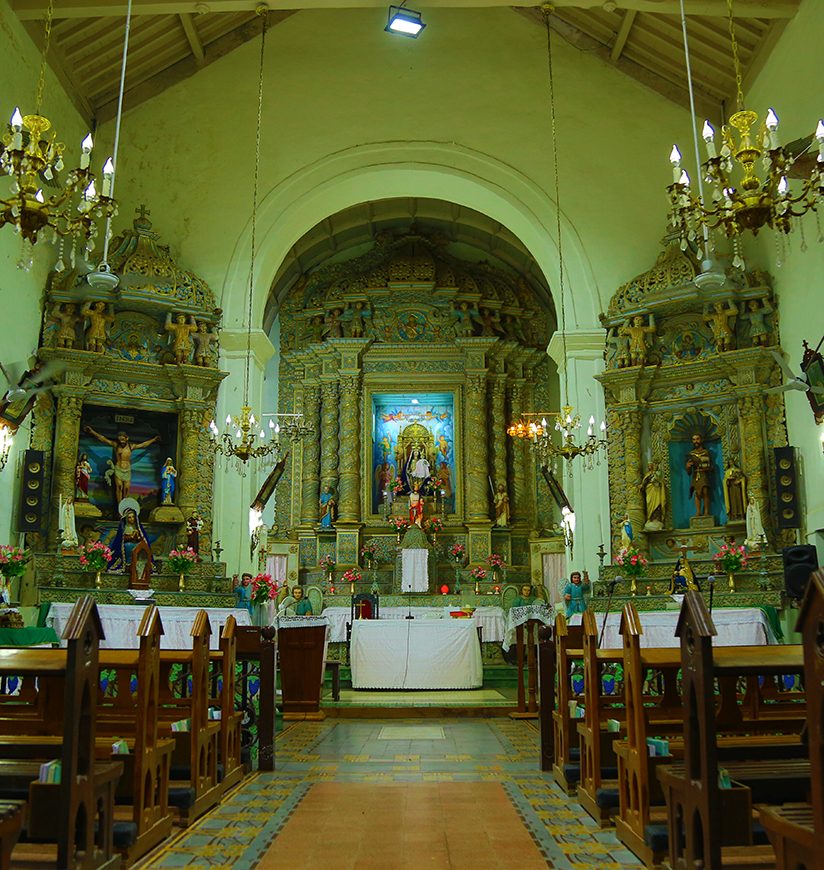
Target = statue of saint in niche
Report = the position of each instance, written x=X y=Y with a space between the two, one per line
x=699 y=468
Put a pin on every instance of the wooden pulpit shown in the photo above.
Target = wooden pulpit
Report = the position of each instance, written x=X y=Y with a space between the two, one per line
x=300 y=652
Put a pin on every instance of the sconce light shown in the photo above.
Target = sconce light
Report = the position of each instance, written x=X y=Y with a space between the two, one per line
x=404 y=22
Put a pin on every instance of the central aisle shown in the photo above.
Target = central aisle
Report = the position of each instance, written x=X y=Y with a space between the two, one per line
x=439 y=793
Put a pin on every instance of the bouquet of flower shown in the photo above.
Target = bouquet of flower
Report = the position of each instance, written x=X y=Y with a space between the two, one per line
x=731 y=558
x=397 y=486
x=632 y=560
x=181 y=561
x=327 y=563
x=369 y=552
x=95 y=556
x=457 y=551
x=352 y=576
x=264 y=589
x=478 y=573
x=13 y=560
x=495 y=561
x=399 y=524
x=433 y=524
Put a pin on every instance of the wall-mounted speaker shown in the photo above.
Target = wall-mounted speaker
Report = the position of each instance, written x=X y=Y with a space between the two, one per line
x=799 y=562
x=32 y=496
x=786 y=486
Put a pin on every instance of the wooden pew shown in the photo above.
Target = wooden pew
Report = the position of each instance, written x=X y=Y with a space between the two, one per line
x=256 y=647
x=546 y=688
x=568 y=649
x=75 y=815
x=797 y=832
x=11 y=823
x=230 y=719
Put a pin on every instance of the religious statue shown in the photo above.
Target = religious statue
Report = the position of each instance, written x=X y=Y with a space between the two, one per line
x=501 y=506
x=121 y=469
x=734 y=488
x=513 y=329
x=618 y=341
x=315 y=329
x=100 y=319
x=415 y=507
x=421 y=469
x=193 y=526
x=333 y=327
x=463 y=320
x=444 y=480
x=82 y=476
x=181 y=333
x=756 y=314
x=718 y=319
x=65 y=315
x=574 y=592
x=357 y=326
x=491 y=322
x=699 y=468
x=627 y=534
x=755 y=528
x=203 y=339
x=168 y=482
x=328 y=507
x=243 y=593
x=129 y=534
x=526 y=596
x=637 y=333
x=66 y=520
x=655 y=497
x=296 y=604
x=682 y=577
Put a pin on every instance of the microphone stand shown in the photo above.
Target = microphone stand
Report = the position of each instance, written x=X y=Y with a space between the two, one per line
x=409 y=605
x=711 y=581
x=612 y=584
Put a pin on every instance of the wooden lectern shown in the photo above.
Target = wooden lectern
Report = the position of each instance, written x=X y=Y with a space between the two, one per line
x=300 y=651
x=525 y=637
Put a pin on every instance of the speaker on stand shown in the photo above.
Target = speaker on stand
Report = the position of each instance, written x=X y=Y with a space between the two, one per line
x=799 y=562
x=786 y=486
x=32 y=496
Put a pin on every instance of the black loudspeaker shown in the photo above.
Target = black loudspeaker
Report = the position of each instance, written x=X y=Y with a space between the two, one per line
x=799 y=562
x=786 y=486
x=32 y=497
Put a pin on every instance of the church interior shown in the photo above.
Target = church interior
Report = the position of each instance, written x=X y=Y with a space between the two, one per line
x=397 y=475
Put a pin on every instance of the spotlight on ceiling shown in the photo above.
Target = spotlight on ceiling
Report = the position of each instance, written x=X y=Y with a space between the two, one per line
x=405 y=22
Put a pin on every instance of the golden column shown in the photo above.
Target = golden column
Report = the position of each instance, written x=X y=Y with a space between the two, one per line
x=519 y=453
x=631 y=425
x=497 y=392
x=190 y=422
x=329 y=434
x=349 y=476
x=475 y=454
x=310 y=473
x=751 y=412
x=66 y=436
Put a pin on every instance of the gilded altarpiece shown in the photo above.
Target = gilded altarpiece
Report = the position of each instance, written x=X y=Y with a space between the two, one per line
x=410 y=362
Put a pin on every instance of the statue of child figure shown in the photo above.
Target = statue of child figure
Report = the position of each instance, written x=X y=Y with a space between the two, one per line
x=574 y=593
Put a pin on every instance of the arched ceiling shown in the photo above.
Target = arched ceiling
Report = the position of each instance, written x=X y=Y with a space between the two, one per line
x=471 y=236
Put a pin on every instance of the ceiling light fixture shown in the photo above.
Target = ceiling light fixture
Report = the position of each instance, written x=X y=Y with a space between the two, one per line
x=404 y=22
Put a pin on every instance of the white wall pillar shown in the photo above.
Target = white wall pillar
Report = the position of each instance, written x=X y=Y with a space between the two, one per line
x=588 y=490
x=233 y=493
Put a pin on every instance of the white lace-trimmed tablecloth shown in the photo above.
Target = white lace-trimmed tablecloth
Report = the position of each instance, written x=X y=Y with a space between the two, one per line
x=490 y=619
x=736 y=626
x=120 y=623
x=516 y=616
x=415 y=654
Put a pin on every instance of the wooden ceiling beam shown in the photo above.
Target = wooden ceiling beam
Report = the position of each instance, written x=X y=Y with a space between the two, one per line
x=186 y=68
x=623 y=34
x=188 y=22
x=29 y=9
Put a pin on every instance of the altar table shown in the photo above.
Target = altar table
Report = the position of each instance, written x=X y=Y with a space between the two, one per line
x=121 y=621
x=415 y=654
x=490 y=619
x=736 y=626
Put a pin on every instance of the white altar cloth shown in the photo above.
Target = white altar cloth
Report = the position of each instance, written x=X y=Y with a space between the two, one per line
x=121 y=621
x=415 y=570
x=490 y=619
x=415 y=654
x=736 y=626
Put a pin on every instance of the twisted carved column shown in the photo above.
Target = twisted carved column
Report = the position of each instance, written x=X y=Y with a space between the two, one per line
x=520 y=455
x=191 y=427
x=349 y=451
x=499 y=437
x=631 y=421
x=66 y=435
x=475 y=435
x=329 y=434
x=310 y=476
x=751 y=410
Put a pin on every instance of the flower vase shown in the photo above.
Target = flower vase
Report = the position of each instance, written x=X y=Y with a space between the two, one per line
x=98 y=581
x=352 y=588
x=477 y=587
x=399 y=536
x=730 y=581
x=434 y=537
x=329 y=578
x=633 y=585
x=5 y=590
x=181 y=582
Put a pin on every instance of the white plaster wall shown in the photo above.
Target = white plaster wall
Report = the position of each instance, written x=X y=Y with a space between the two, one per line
x=21 y=292
x=791 y=83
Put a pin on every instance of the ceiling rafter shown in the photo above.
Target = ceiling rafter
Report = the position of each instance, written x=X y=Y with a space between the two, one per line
x=623 y=34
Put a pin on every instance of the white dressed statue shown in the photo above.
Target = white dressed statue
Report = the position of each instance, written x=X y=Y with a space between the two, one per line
x=67 y=523
x=755 y=528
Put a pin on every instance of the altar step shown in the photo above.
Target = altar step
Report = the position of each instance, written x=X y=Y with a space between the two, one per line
x=163 y=598
x=423 y=704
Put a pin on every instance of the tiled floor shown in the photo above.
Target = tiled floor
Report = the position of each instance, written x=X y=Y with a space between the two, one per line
x=253 y=827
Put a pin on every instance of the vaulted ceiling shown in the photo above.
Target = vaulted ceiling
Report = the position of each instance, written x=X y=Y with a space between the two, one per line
x=173 y=39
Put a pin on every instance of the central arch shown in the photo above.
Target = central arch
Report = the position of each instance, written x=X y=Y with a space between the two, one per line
x=397 y=169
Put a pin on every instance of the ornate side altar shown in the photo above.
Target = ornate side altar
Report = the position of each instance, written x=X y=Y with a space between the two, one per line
x=127 y=456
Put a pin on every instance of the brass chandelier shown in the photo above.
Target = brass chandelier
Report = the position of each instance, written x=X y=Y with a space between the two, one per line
x=31 y=155
x=741 y=199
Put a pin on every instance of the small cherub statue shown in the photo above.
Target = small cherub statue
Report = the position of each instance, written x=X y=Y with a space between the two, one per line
x=333 y=327
x=356 y=325
x=618 y=348
x=637 y=332
x=203 y=339
x=181 y=332
x=65 y=314
x=100 y=319
x=722 y=331
x=756 y=314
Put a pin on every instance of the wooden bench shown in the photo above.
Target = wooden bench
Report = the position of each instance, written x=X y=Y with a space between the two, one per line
x=256 y=649
x=547 y=673
x=76 y=815
x=11 y=822
x=566 y=760
x=797 y=832
x=230 y=719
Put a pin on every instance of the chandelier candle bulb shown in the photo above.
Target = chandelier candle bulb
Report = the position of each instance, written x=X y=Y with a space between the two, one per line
x=108 y=177
x=675 y=160
x=771 y=123
x=39 y=195
x=86 y=151
x=819 y=135
x=708 y=134
x=783 y=185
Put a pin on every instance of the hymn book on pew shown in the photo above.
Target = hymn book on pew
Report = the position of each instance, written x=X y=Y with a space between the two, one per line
x=50 y=772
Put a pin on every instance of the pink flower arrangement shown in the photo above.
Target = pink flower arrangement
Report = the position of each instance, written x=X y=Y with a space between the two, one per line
x=731 y=557
x=327 y=563
x=398 y=523
x=13 y=560
x=457 y=551
x=181 y=561
x=352 y=576
x=397 y=486
x=369 y=552
x=478 y=573
x=632 y=560
x=95 y=556
x=495 y=561
x=433 y=524
x=264 y=588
